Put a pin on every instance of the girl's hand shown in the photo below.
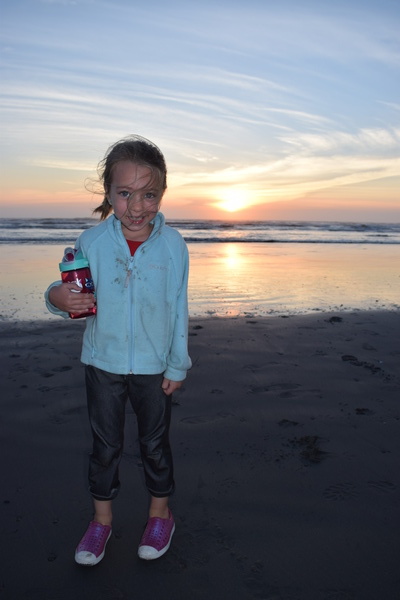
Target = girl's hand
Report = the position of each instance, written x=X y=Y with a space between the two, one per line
x=170 y=386
x=67 y=297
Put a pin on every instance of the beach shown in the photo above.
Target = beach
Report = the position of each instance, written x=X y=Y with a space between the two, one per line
x=286 y=445
x=285 y=435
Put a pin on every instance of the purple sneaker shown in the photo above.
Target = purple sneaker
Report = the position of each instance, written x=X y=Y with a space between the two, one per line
x=92 y=546
x=156 y=538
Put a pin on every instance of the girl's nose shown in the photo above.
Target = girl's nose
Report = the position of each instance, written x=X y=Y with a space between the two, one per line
x=135 y=202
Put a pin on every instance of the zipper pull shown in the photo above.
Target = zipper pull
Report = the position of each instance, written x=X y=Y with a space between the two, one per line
x=127 y=278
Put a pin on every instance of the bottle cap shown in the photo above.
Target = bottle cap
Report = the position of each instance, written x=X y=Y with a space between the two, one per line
x=73 y=265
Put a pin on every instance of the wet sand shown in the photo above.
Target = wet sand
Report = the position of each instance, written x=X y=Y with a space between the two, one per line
x=286 y=440
x=234 y=279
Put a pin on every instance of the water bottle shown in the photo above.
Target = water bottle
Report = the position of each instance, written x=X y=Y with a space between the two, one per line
x=74 y=268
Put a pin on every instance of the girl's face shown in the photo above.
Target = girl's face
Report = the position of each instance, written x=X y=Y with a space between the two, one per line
x=135 y=195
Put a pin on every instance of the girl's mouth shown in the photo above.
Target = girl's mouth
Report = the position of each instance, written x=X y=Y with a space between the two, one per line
x=136 y=220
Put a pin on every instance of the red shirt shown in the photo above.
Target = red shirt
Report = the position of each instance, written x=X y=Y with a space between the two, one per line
x=133 y=246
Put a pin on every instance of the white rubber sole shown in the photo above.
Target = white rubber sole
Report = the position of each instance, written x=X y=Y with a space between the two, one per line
x=88 y=559
x=150 y=553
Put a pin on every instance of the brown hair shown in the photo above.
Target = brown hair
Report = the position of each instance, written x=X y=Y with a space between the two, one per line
x=138 y=150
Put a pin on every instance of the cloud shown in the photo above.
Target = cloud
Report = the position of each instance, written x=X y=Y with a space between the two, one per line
x=65 y=165
x=375 y=140
x=393 y=105
x=318 y=162
x=61 y=2
x=277 y=99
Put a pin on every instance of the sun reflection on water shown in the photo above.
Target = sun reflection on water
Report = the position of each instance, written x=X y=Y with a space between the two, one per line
x=232 y=258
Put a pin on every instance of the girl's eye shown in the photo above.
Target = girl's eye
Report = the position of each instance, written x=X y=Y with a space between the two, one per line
x=149 y=196
x=124 y=194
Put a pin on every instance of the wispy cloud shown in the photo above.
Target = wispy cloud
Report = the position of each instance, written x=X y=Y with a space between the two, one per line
x=62 y=2
x=375 y=140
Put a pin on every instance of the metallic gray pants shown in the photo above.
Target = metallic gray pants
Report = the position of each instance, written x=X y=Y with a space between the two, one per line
x=107 y=395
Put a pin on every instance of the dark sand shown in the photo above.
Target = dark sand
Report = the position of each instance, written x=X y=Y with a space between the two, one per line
x=286 y=440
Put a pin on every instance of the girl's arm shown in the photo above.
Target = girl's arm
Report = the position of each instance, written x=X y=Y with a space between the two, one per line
x=67 y=298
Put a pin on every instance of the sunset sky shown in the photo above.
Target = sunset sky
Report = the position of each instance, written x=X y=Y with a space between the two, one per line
x=264 y=110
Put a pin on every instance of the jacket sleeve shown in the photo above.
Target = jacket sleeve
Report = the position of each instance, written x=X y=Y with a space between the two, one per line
x=53 y=309
x=178 y=360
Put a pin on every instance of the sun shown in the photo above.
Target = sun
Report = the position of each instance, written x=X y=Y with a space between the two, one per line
x=233 y=200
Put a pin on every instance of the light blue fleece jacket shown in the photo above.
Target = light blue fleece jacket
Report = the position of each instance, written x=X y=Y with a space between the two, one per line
x=141 y=325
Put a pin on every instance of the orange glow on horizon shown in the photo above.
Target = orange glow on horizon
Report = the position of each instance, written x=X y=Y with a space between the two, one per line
x=233 y=200
x=375 y=202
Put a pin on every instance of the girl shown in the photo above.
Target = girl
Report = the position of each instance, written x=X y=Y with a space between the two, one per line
x=136 y=345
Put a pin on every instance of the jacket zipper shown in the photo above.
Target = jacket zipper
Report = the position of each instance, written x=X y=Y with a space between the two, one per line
x=129 y=284
x=128 y=274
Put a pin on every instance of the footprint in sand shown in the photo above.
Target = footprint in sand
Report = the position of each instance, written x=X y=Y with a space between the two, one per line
x=199 y=419
x=282 y=387
x=65 y=416
x=340 y=491
x=353 y=360
x=287 y=423
x=382 y=486
x=62 y=369
x=310 y=449
x=195 y=327
x=364 y=411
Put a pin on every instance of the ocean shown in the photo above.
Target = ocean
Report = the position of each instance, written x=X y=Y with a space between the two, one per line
x=251 y=269
x=65 y=231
